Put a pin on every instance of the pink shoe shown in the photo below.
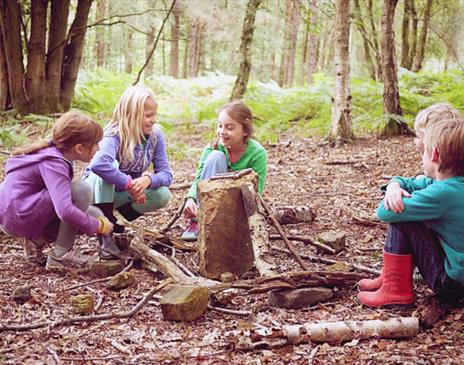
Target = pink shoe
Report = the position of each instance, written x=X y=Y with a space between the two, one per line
x=191 y=233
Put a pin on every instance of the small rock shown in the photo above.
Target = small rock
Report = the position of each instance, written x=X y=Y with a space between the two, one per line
x=294 y=214
x=83 y=303
x=227 y=277
x=298 y=298
x=334 y=239
x=21 y=294
x=105 y=268
x=184 y=302
x=121 y=280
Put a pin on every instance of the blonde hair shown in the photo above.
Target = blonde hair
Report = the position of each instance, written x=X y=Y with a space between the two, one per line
x=70 y=129
x=433 y=114
x=128 y=118
x=447 y=137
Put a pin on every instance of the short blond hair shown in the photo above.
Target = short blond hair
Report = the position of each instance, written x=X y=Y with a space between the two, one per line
x=434 y=114
x=447 y=137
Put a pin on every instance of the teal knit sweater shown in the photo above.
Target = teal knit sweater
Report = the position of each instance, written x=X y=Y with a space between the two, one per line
x=254 y=157
x=440 y=205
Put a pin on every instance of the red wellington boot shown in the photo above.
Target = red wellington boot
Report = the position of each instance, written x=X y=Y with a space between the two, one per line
x=396 y=286
x=371 y=284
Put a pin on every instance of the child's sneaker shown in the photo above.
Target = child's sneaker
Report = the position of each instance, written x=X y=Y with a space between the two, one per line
x=71 y=259
x=191 y=233
x=109 y=250
x=32 y=251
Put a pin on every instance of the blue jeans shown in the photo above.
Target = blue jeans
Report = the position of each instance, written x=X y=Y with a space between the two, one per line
x=215 y=164
x=424 y=245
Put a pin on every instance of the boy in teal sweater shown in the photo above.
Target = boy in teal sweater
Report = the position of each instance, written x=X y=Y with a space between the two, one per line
x=234 y=151
x=426 y=223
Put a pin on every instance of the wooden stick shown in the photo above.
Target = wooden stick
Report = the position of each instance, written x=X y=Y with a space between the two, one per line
x=180 y=186
x=323 y=260
x=276 y=224
x=230 y=311
x=175 y=218
x=306 y=239
x=92 y=318
x=232 y=175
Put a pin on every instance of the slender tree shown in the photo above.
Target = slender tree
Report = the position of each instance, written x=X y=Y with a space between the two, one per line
x=341 y=130
x=391 y=94
x=405 y=25
x=100 y=35
x=419 y=57
x=365 y=39
x=245 y=50
x=174 y=60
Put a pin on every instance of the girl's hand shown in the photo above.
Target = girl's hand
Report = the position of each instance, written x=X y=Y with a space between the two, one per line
x=105 y=227
x=191 y=209
x=137 y=189
x=394 y=197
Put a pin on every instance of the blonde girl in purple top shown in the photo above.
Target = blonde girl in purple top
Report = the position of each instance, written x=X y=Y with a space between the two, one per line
x=40 y=204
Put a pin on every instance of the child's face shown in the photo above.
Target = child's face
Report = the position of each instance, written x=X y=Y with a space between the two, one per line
x=85 y=153
x=150 y=109
x=419 y=142
x=430 y=167
x=229 y=131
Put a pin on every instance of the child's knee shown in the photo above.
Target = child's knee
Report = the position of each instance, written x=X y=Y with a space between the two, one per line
x=164 y=195
x=81 y=194
x=216 y=157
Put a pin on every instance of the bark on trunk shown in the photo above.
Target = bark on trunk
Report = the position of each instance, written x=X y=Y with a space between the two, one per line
x=391 y=94
x=313 y=43
x=405 y=33
x=419 y=58
x=412 y=35
x=245 y=50
x=150 y=43
x=5 y=99
x=73 y=52
x=11 y=25
x=295 y=21
x=128 y=52
x=285 y=57
x=56 y=44
x=100 y=35
x=374 y=42
x=174 y=62
x=341 y=130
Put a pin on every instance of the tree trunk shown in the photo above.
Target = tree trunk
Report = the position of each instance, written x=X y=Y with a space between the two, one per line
x=128 y=52
x=341 y=130
x=391 y=94
x=365 y=38
x=405 y=33
x=295 y=21
x=56 y=44
x=174 y=62
x=412 y=35
x=35 y=74
x=419 y=58
x=100 y=35
x=11 y=25
x=73 y=52
x=150 y=43
x=374 y=41
x=312 y=44
x=245 y=50
x=285 y=56
x=5 y=98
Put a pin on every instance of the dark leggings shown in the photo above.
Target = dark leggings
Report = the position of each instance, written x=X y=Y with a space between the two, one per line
x=424 y=244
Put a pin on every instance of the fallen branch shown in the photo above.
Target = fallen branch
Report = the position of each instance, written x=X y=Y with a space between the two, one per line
x=174 y=218
x=323 y=260
x=293 y=280
x=180 y=186
x=232 y=175
x=276 y=224
x=230 y=311
x=368 y=222
x=341 y=162
x=331 y=332
x=92 y=318
x=306 y=240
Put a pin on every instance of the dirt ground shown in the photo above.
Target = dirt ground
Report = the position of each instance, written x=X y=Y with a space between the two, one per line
x=338 y=185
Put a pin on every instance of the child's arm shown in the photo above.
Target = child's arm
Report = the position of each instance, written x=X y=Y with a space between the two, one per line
x=192 y=193
x=162 y=175
x=424 y=204
x=259 y=165
x=399 y=188
x=56 y=177
x=103 y=164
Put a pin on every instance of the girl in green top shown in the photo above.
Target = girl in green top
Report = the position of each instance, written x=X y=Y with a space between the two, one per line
x=235 y=150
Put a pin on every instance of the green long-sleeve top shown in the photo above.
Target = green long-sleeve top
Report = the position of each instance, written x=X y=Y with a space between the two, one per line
x=254 y=157
x=440 y=204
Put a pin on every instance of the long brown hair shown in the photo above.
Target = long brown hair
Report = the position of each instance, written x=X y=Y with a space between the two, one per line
x=69 y=130
x=241 y=113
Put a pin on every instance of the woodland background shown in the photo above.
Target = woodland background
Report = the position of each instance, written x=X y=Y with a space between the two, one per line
x=350 y=71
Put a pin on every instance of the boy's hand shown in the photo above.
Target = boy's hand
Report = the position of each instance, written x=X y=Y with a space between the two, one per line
x=394 y=197
x=191 y=209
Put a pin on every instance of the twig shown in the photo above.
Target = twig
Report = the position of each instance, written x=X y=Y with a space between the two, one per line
x=232 y=175
x=127 y=268
x=175 y=218
x=83 y=358
x=91 y=318
x=12 y=348
x=341 y=162
x=358 y=267
x=230 y=311
x=307 y=240
x=368 y=222
x=282 y=234
x=156 y=42
x=99 y=304
x=118 y=346
x=180 y=186
x=312 y=355
x=54 y=355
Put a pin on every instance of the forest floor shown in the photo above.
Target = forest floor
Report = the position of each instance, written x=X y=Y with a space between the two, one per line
x=300 y=172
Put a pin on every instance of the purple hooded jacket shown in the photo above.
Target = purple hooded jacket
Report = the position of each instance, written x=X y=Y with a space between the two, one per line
x=36 y=187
